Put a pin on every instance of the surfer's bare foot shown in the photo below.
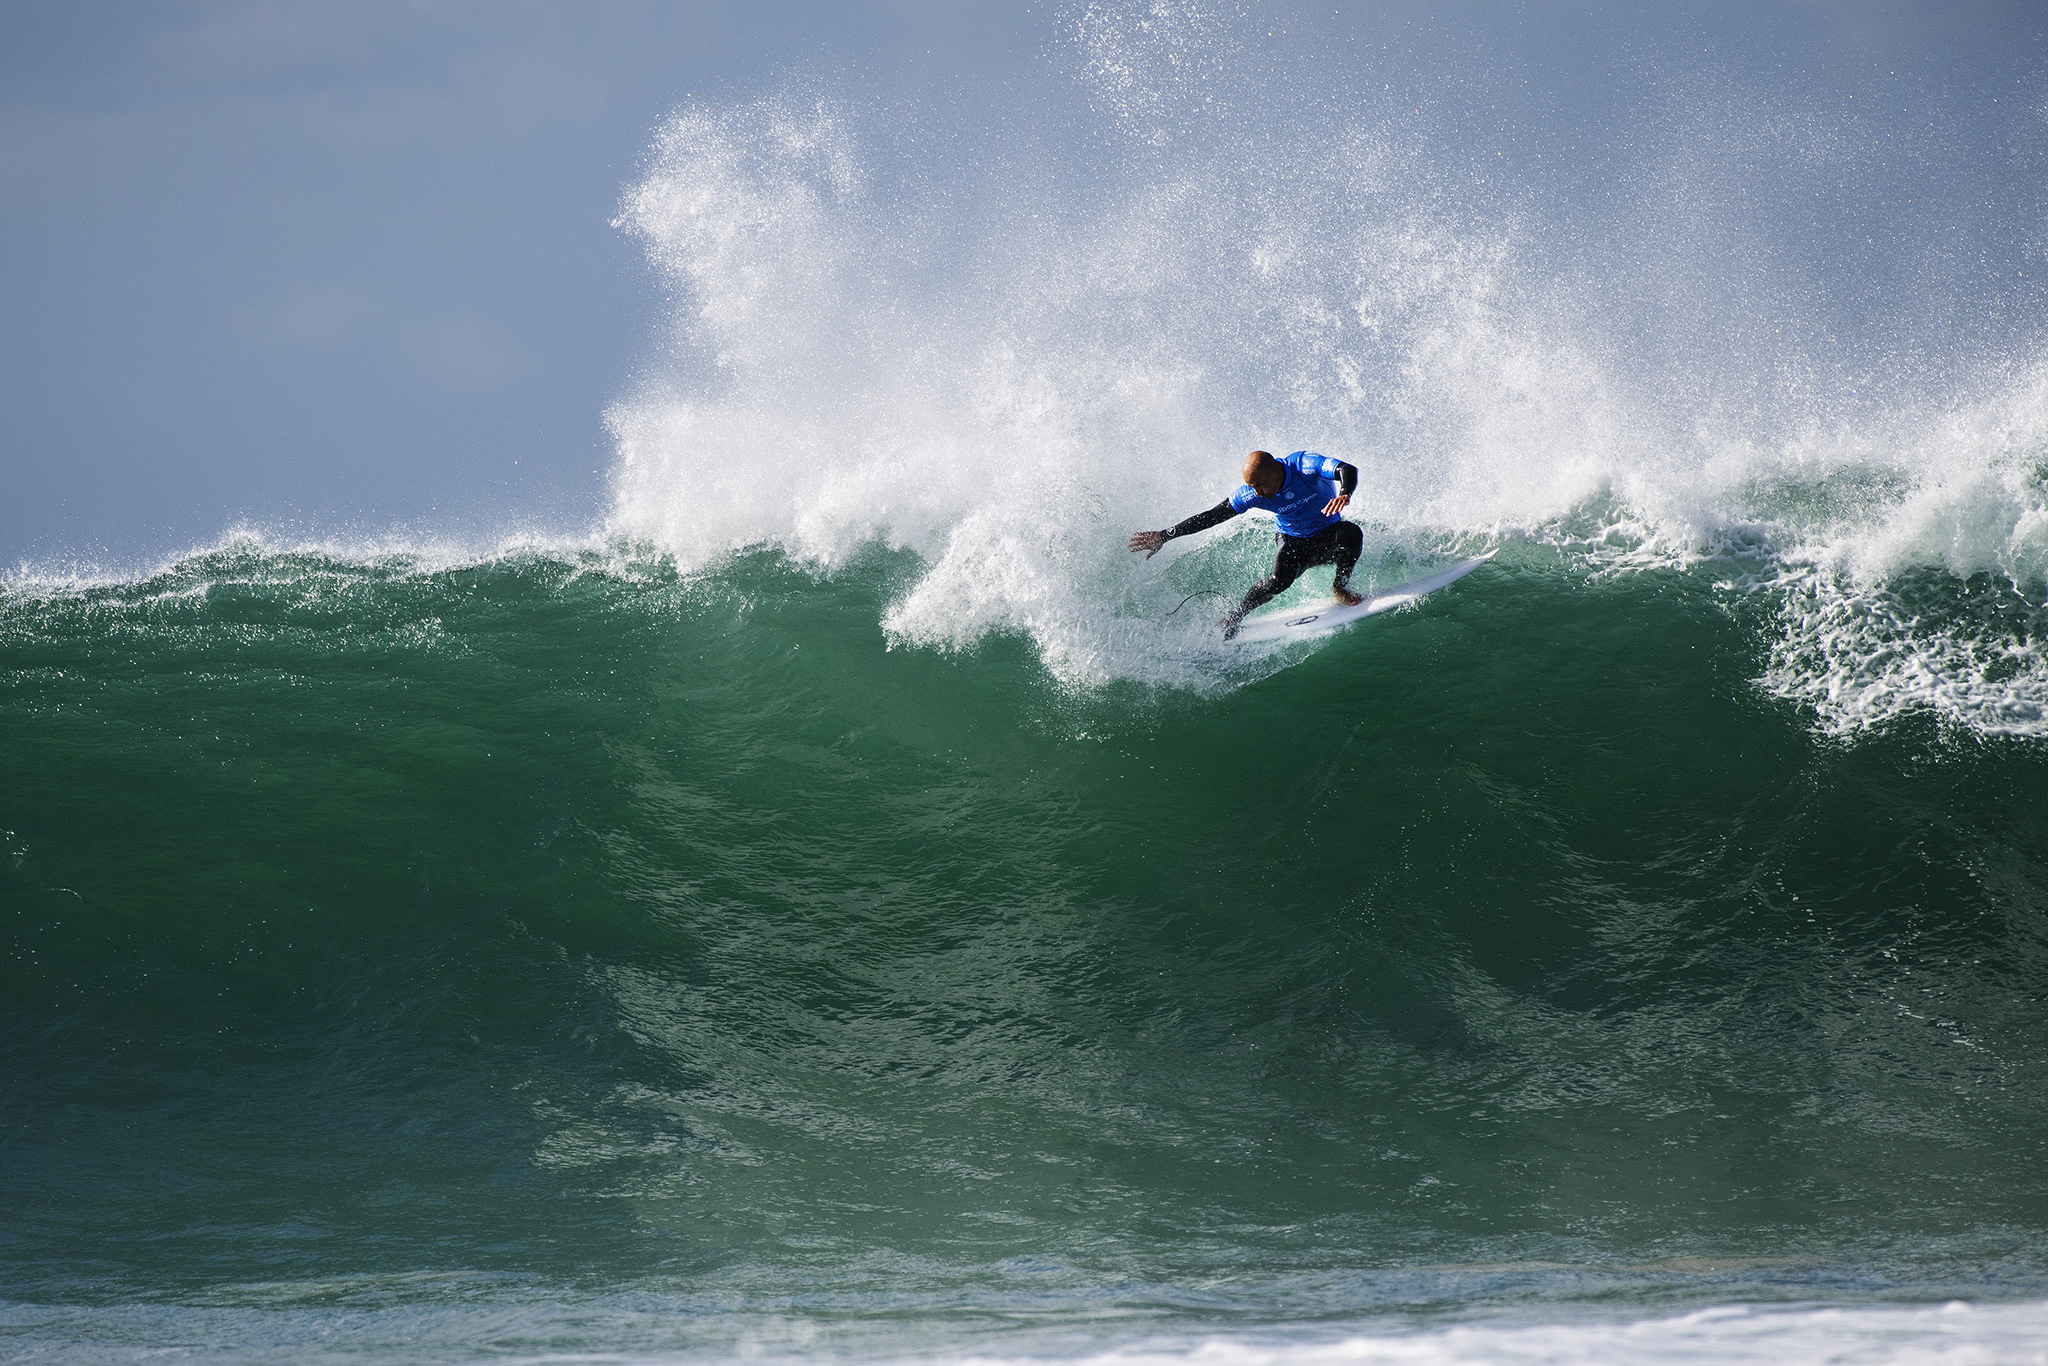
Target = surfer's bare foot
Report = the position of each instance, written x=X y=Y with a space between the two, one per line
x=1229 y=625
x=1346 y=596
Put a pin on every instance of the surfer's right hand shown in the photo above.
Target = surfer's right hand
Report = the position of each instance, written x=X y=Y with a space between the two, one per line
x=1148 y=541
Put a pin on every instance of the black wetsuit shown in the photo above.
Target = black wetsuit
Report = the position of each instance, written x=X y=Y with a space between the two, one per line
x=1338 y=544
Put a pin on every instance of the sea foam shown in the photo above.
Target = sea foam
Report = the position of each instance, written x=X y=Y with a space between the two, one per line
x=1947 y=1335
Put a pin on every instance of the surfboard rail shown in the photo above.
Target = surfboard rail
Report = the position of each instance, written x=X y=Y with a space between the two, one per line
x=1300 y=623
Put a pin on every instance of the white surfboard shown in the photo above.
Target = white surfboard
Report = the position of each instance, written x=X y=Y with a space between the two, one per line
x=1299 y=623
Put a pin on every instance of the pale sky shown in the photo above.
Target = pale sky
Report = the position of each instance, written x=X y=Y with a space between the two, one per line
x=350 y=267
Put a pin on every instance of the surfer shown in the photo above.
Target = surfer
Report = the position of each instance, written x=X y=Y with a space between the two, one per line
x=1308 y=493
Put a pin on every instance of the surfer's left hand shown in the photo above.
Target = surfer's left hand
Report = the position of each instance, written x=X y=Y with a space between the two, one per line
x=1336 y=505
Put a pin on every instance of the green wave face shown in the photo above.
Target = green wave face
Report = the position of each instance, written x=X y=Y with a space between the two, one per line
x=550 y=926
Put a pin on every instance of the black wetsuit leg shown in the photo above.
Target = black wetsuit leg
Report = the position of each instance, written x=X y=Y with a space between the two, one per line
x=1350 y=541
x=1338 y=544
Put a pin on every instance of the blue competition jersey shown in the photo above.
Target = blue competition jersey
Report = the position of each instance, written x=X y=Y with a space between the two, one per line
x=1311 y=482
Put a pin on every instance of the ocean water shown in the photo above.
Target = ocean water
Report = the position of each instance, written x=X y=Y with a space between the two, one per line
x=840 y=906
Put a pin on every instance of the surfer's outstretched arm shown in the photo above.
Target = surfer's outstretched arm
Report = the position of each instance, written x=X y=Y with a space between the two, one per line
x=1150 y=541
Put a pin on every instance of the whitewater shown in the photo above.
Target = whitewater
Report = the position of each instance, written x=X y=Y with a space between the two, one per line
x=1004 y=385
x=837 y=904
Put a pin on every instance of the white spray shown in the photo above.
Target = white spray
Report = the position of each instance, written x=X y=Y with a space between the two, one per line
x=1008 y=377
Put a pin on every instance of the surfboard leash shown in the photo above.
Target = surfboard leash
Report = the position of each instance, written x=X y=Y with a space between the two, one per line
x=1199 y=593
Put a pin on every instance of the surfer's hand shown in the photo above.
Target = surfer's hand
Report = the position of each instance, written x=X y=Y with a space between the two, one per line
x=1148 y=541
x=1336 y=505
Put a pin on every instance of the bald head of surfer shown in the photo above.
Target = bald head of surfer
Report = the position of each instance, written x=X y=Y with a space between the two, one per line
x=1307 y=493
x=1264 y=473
